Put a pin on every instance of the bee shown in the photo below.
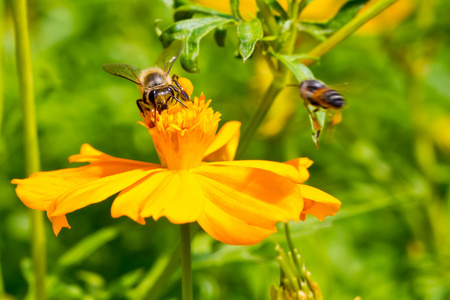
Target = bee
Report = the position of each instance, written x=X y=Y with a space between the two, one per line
x=158 y=89
x=322 y=103
x=317 y=94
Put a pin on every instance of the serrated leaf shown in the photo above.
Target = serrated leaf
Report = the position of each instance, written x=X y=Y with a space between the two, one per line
x=249 y=33
x=87 y=246
x=300 y=71
x=191 y=32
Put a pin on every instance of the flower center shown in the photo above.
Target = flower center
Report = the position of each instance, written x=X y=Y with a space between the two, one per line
x=182 y=135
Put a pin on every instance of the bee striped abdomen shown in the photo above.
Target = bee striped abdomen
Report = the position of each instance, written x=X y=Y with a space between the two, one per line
x=333 y=99
x=316 y=93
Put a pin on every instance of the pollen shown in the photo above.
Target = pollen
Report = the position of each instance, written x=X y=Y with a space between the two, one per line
x=181 y=135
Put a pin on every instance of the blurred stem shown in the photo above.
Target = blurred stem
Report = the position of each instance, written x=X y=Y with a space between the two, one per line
x=267 y=17
x=168 y=267
x=2 y=287
x=347 y=30
x=274 y=89
x=163 y=271
x=2 y=17
x=186 y=267
x=32 y=163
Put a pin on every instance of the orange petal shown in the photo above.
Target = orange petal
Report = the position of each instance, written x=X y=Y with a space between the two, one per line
x=89 y=154
x=175 y=195
x=178 y=197
x=318 y=203
x=245 y=203
x=230 y=229
x=301 y=164
x=225 y=143
x=41 y=188
x=97 y=190
x=58 y=223
x=277 y=168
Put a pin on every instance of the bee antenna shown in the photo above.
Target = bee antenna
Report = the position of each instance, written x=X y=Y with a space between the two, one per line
x=296 y=85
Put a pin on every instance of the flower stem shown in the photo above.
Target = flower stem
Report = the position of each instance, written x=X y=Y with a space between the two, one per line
x=2 y=287
x=32 y=162
x=186 y=268
x=2 y=17
x=347 y=30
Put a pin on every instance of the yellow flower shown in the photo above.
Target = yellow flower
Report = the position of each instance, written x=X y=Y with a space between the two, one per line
x=236 y=202
x=388 y=19
x=318 y=10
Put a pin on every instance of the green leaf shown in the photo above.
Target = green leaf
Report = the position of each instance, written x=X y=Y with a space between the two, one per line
x=319 y=32
x=300 y=71
x=87 y=246
x=249 y=33
x=278 y=8
x=191 y=32
x=189 y=10
x=220 y=36
x=346 y=13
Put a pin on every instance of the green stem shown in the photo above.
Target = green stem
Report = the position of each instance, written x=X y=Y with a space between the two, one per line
x=32 y=162
x=267 y=17
x=159 y=276
x=2 y=17
x=186 y=267
x=274 y=89
x=347 y=30
x=2 y=287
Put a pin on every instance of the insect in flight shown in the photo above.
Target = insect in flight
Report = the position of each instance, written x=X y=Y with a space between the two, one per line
x=322 y=103
x=159 y=91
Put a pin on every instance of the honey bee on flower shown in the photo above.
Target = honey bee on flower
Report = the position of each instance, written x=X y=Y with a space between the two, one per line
x=158 y=89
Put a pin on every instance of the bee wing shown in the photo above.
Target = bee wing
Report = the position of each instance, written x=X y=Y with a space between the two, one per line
x=169 y=55
x=123 y=70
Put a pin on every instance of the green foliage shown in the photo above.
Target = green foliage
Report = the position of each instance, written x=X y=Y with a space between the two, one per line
x=191 y=32
x=249 y=33
x=388 y=161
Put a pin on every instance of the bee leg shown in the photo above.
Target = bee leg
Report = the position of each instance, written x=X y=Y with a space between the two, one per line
x=179 y=101
x=143 y=106
x=184 y=95
x=140 y=105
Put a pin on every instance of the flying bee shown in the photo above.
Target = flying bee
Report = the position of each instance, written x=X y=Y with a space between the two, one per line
x=317 y=94
x=159 y=91
x=322 y=103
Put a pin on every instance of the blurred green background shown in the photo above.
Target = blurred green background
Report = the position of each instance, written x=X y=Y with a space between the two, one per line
x=388 y=161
